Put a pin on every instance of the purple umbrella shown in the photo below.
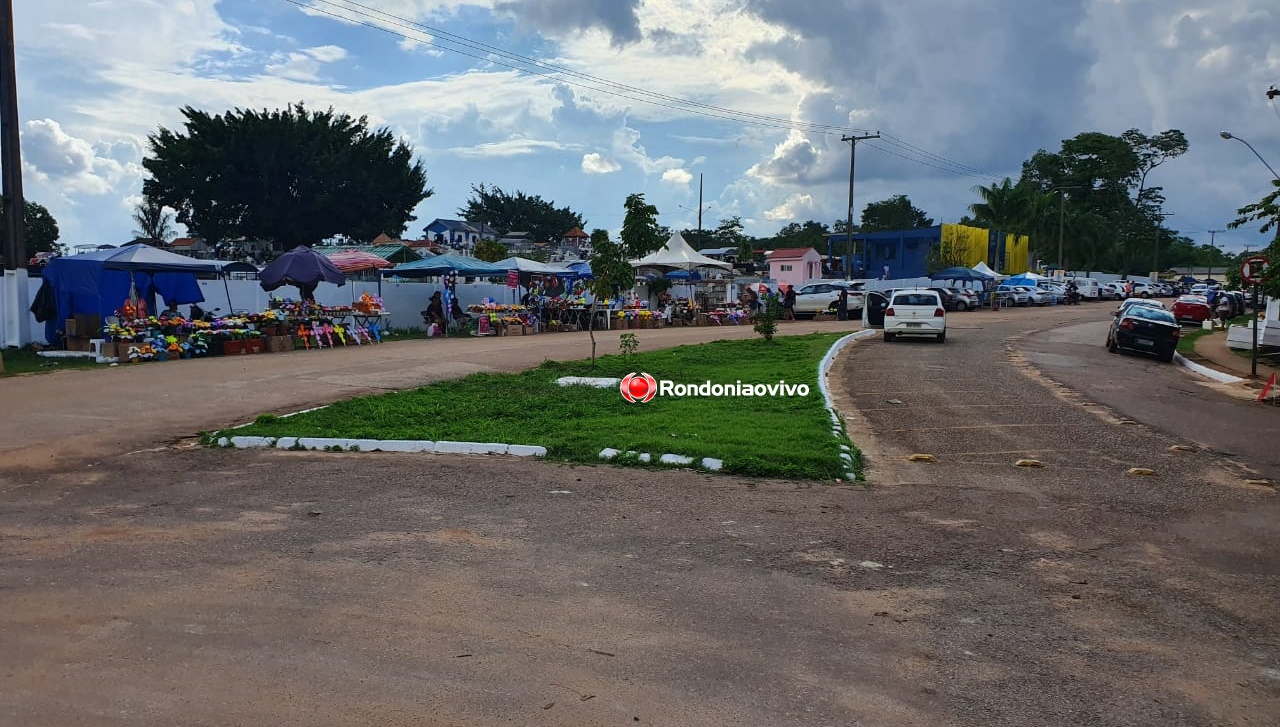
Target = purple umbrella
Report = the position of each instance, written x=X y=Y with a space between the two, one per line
x=302 y=267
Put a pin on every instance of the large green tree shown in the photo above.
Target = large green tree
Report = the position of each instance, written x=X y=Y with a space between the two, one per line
x=895 y=213
x=519 y=212
x=641 y=233
x=795 y=234
x=40 y=230
x=290 y=175
x=491 y=251
x=1112 y=219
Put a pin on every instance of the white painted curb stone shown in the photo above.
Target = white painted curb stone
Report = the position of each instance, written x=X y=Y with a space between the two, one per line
x=1205 y=371
x=599 y=382
x=384 y=445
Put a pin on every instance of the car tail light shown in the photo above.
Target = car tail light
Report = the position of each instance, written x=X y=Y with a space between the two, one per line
x=938 y=312
x=1126 y=324
x=889 y=312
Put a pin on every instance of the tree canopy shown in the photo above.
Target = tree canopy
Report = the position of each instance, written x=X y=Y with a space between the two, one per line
x=519 y=212
x=641 y=233
x=289 y=175
x=40 y=233
x=491 y=251
x=809 y=234
x=895 y=213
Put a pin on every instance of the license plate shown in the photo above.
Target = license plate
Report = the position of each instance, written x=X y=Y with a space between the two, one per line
x=914 y=325
x=1144 y=342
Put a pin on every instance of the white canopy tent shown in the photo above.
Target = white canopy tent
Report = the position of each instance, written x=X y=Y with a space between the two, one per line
x=678 y=255
x=526 y=265
x=986 y=270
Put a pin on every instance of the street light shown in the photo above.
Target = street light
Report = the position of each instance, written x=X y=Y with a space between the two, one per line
x=1228 y=136
x=700 y=209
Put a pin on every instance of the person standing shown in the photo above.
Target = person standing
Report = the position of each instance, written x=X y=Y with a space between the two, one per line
x=789 y=303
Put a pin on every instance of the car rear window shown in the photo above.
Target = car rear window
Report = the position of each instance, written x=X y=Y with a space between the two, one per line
x=1151 y=314
x=930 y=299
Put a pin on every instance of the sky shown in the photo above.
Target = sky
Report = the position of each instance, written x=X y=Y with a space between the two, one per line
x=583 y=102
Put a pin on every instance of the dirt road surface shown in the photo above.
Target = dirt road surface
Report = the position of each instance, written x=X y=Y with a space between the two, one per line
x=164 y=585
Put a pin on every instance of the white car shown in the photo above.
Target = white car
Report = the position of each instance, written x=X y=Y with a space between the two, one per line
x=1111 y=291
x=1037 y=296
x=816 y=298
x=1015 y=295
x=1143 y=290
x=915 y=312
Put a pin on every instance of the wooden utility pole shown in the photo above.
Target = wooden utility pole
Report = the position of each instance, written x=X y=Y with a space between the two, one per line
x=10 y=150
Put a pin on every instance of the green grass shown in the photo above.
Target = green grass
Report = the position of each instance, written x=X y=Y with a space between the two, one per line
x=1187 y=343
x=21 y=361
x=769 y=437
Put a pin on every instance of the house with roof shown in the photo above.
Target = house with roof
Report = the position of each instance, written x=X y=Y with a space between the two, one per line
x=794 y=265
x=459 y=234
x=576 y=243
x=190 y=246
x=901 y=254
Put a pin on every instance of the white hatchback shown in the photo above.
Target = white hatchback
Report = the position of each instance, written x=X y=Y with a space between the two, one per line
x=915 y=312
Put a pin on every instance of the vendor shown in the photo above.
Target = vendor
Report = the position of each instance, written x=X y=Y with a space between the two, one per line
x=435 y=311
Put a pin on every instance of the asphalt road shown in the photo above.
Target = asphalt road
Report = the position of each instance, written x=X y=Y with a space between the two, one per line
x=174 y=585
x=1144 y=389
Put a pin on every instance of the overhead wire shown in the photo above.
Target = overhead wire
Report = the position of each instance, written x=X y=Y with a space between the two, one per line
x=374 y=19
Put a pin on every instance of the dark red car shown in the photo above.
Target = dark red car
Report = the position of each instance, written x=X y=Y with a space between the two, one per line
x=1192 y=309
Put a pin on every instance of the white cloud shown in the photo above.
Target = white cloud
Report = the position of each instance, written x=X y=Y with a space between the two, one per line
x=305 y=64
x=597 y=163
x=508 y=148
x=797 y=207
x=678 y=177
x=53 y=155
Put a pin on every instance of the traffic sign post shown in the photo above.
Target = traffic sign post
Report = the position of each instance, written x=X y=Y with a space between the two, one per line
x=1253 y=270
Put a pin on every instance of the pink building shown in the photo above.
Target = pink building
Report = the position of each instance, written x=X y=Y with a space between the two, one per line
x=794 y=265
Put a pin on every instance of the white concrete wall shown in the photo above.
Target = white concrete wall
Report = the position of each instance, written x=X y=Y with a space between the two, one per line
x=11 y=329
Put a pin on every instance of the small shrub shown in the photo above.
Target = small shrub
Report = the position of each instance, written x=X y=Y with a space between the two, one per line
x=266 y=419
x=767 y=320
x=628 y=344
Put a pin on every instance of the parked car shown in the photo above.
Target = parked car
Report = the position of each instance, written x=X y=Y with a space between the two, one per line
x=1145 y=302
x=1013 y=295
x=1167 y=290
x=819 y=297
x=1089 y=288
x=915 y=312
x=1111 y=291
x=972 y=301
x=1192 y=309
x=950 y=299
x=1142 y=290
x=1146 y=329
x=1199 y=289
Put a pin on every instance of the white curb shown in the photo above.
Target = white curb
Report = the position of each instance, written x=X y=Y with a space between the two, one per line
x=598 y=382
x=1205 y=371
x=383 y=445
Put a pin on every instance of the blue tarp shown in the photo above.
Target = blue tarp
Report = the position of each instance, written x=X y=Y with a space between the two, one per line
x=441 y=264
x=98 y=283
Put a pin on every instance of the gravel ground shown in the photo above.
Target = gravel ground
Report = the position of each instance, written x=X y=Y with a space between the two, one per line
x=209 y=587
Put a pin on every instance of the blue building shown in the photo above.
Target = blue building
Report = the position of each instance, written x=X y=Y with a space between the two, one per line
x=899 y=254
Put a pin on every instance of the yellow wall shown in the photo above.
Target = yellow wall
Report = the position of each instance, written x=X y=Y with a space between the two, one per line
x=1017 y=254
x=971 y=241
x=974 y=243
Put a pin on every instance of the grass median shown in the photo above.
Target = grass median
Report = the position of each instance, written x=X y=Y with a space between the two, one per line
x=771 y=436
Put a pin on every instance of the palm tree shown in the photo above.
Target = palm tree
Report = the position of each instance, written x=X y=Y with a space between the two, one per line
x=154 y=222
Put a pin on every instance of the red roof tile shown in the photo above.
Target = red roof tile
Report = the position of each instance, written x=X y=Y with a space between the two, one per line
x=790 y=253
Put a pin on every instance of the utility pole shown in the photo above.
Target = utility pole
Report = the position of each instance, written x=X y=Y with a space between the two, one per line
x=1062 y=212
x=10 y=151
x=848 y=230
x=1155 y=255
x=14 y=326
x=1212 y=237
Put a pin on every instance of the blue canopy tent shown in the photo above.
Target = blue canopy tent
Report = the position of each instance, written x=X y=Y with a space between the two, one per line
x=98 y=283
x=959 y=273
x=441 y=265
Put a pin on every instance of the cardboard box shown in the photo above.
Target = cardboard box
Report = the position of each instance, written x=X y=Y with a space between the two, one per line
x=69 y=327
x=515 y=330
x=78 y=343
x=233 y=348
x=279 y=344
x=88 y=325
x=528 y=331
x=254 y=345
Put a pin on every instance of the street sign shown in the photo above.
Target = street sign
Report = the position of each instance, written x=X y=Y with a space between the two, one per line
x=1254 y=269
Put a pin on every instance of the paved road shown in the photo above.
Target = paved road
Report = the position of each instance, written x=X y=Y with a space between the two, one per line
x=211 y=587
x=1149 y=391
x=1097 y=596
